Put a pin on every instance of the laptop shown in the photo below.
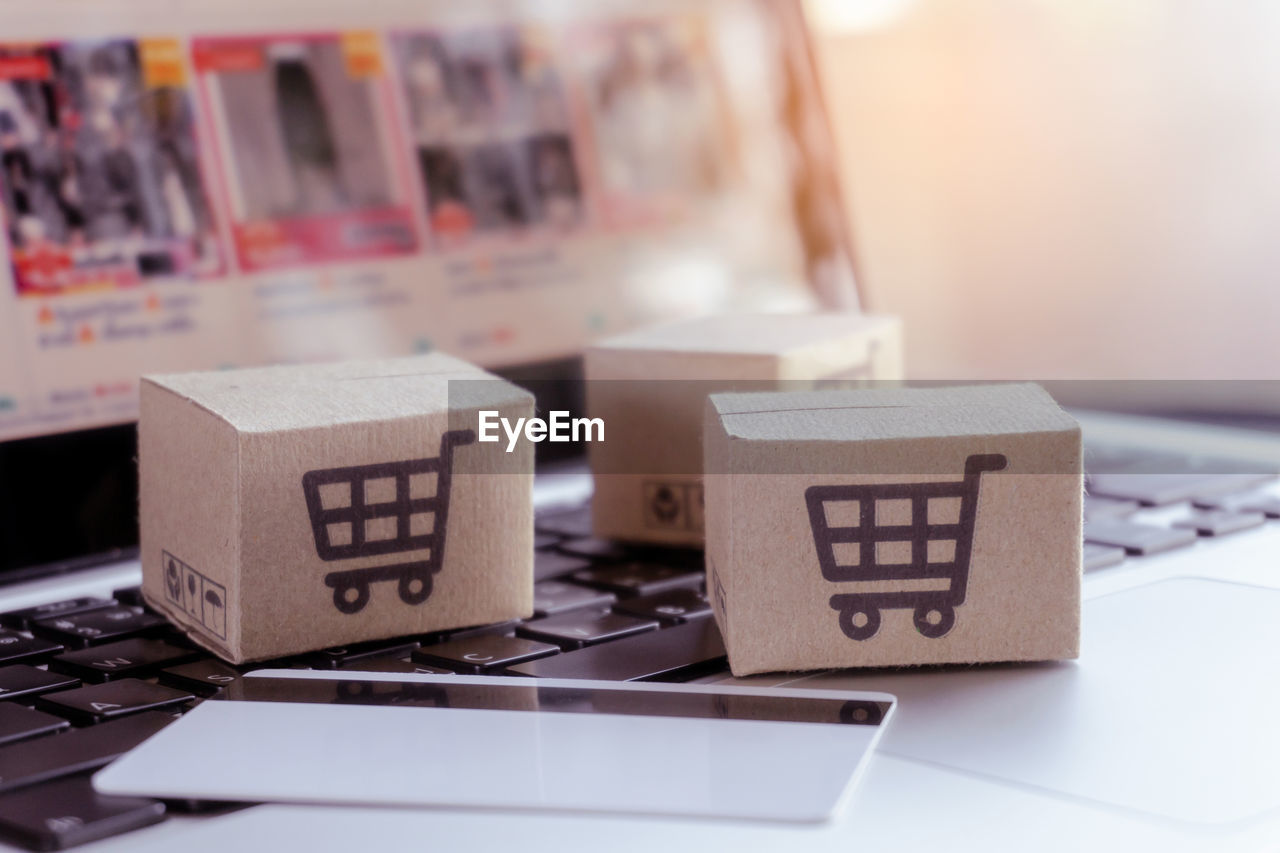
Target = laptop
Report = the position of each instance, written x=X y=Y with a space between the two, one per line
x=250 y=224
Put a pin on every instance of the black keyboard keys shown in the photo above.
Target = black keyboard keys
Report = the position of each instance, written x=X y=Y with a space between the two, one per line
x=77 y=751
x=98 y=703
x=390 y=664
x=20 y=620
x=15 y=648
x=574 y=522
x=341 y=656
x=639 y=578
x=129 y=595
x=136 y=658
x=21 y=680
x=671 y=607
x=598 y=550
x=207 y=677
x=553 y=564
x=552 y=597
x=18 y=722
x=69 y=812
x=584 y=627
x=672 y=654
x=99 y=626
x=479 y=654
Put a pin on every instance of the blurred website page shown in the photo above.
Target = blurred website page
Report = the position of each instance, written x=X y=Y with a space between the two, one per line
x=212 y=185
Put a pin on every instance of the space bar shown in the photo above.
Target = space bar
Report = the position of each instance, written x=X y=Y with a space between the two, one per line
x=683 y=650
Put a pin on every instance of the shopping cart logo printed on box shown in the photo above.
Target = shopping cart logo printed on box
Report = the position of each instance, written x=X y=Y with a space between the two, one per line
x=896 y=534
x=366 y=511
x=202 y=599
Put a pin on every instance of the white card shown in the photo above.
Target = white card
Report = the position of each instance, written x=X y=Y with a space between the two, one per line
x=500 y=742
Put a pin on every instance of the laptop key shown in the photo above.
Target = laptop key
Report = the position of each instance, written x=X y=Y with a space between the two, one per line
x=129 y=595
x=671 y=607
x=15 y=648
x=552 y=597
x=496 y=629
x=584 y=627
x=76 y=751
x=1164 y=489
x=391 y=664
x=99 y=626
x=134 y=658
x=26 y=681
x=1268 y=505
x=553 y=564
x=574 y=522
x=1097 y=507
x=207 y=677
x=1101 y=556
x=1137 y=539
x=542 y=541
x=599 y=550
x=69 y=812
x=98 y=703
x=672 y=654
x=478 y=654
x=18 y=722
x=639 y=579
x=20 y=620
x=341 y=656
x=1218 y=522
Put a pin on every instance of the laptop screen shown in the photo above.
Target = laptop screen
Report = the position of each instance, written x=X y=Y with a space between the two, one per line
x=504 y=182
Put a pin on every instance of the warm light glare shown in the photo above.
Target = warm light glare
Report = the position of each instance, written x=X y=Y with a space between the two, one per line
x=853 y=16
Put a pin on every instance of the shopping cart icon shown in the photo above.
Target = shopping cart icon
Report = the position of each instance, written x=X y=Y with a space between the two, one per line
x=917 y=537
x=372 y=510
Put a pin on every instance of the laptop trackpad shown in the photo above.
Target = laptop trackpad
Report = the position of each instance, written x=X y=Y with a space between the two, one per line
x=1170 y=710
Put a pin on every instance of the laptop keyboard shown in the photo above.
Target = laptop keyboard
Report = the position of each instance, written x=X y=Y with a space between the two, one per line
x=83 y=681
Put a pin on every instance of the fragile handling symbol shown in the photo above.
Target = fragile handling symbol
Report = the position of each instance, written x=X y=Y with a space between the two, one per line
x=201 y=598
x=934 y=609
x=672 y=505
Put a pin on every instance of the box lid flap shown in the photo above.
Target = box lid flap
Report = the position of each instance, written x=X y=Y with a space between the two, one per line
x=300 y=396
x=889 y=413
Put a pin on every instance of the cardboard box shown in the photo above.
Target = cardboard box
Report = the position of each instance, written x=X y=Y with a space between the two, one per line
x=893 y=527
x=251 y=479
x=650 y=386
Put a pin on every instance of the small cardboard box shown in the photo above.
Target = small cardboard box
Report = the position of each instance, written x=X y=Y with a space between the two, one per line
x=893 y=527
x=288 y=509
x=650 y=386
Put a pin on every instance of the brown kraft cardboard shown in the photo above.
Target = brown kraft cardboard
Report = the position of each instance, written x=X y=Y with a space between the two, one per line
x=893 y=527
x=287 y=509
x=649 y=387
